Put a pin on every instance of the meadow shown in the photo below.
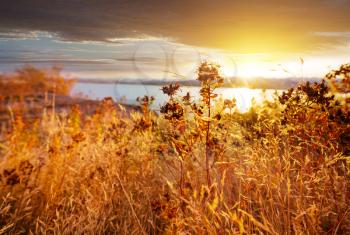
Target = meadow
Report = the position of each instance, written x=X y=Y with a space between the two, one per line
x=197 y=167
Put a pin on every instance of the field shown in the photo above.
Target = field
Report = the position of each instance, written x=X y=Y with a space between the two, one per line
x=197 y=167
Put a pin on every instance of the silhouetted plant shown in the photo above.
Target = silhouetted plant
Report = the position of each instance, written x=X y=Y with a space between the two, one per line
x=145 y=121
x=340 y=78
x=312 y=108
x=210 y=79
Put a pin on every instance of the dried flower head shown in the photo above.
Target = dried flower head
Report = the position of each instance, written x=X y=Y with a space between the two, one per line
x=172 y=111
x=209 y=74
x=145 y=103
x=187 y=98
x=171 y=89
x=230 y=104
x=340 y=78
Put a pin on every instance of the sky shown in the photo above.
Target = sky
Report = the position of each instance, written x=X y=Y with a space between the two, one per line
x=154 y=39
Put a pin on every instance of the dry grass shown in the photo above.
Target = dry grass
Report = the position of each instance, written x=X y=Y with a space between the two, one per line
x=186 y=171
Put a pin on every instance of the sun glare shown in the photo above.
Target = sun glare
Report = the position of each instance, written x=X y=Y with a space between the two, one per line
x=244 y=97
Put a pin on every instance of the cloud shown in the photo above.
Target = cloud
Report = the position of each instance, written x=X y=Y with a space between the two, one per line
x=23 y=34
x=333 y=34
x=71 y=62
x=241 y=26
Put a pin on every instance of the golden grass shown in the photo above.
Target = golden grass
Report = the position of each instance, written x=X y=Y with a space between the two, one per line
x=271 y=172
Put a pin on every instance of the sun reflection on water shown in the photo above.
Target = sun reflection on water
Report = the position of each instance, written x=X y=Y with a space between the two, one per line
x=243 y=96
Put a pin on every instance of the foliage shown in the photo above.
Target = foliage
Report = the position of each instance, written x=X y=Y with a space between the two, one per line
x=199 y=167
x=33 y=81
x=30 y=91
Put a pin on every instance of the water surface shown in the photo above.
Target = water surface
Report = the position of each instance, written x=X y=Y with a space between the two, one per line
x=127 y=93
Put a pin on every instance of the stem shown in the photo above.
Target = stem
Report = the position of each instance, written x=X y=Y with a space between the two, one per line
x=181 y=176
x=207 y=144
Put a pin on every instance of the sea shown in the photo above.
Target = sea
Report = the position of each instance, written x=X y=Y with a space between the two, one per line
x=128 y=93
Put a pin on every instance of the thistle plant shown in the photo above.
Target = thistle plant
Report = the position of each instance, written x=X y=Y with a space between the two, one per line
x=210 y=79
x=314 y=108
x=174 y=113
x=145 y=121
x=340 y=78
x=172 y=110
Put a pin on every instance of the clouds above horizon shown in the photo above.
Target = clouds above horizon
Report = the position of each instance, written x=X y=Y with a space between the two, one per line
x=158 y=39
x=152 y=59
x=250 y=26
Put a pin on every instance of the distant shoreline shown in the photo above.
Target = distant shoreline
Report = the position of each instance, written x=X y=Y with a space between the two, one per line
x=257 y=83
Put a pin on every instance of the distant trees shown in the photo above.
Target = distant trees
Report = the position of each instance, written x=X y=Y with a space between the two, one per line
x=31 y=81
x=28 y=91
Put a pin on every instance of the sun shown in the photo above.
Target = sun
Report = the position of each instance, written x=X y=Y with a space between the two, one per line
x=244 y=65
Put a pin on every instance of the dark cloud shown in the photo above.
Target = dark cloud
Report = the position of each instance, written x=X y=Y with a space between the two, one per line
x=247 y=26
x=54 y=61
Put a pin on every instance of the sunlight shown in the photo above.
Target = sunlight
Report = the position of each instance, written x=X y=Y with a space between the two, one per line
x=250 y=66
x=243 y=96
